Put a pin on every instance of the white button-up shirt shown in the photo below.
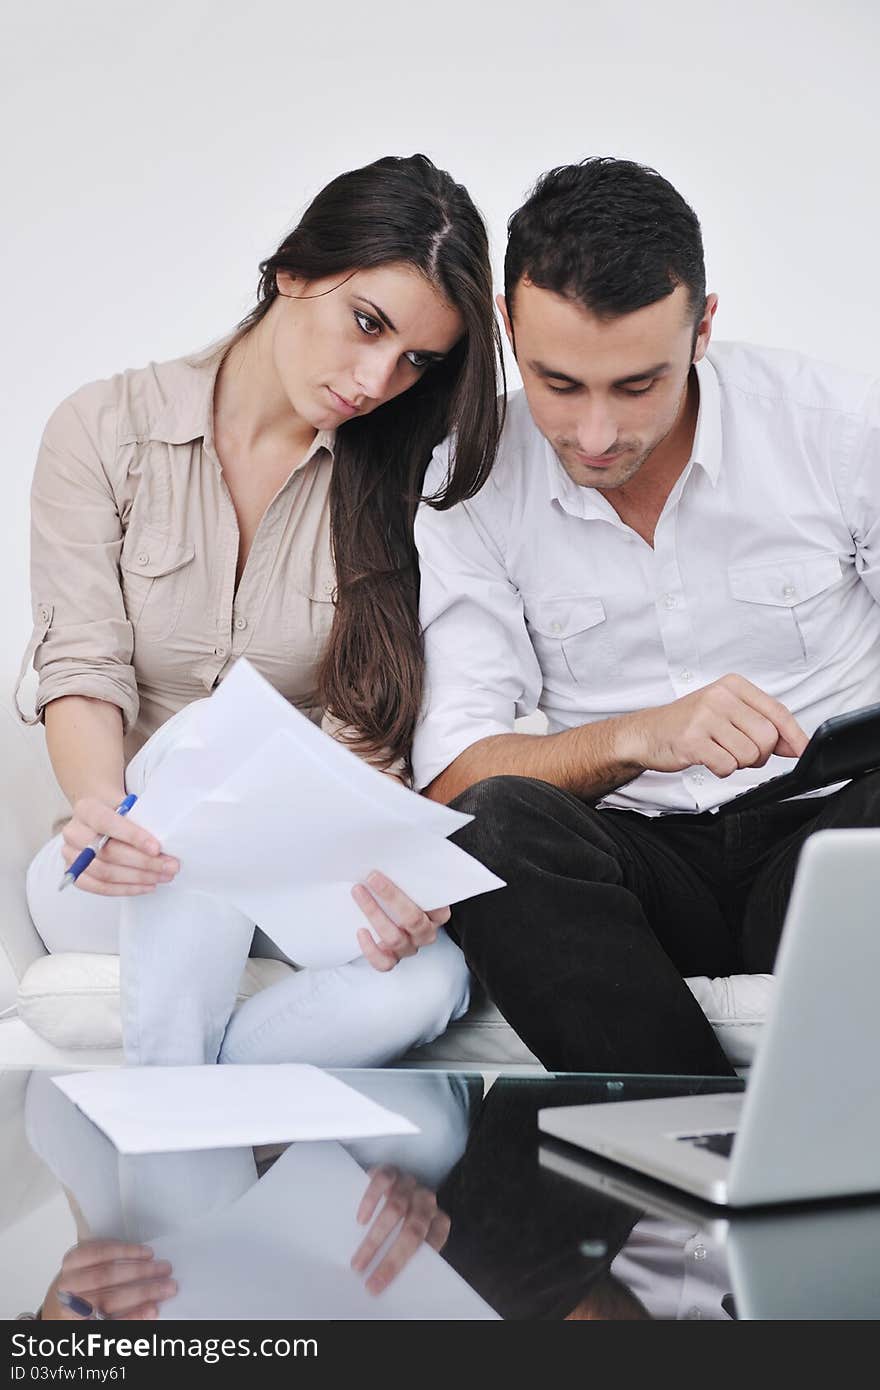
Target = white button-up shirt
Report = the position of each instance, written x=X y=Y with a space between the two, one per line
x=674 y=1271
x=766 y=562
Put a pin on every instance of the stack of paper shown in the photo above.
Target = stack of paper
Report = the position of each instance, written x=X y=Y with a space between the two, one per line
x=266 y=810
x=170 y=1109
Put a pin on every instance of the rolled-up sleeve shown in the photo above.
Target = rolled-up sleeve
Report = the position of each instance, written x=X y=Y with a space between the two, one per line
x=82 y=641
x=481 y=669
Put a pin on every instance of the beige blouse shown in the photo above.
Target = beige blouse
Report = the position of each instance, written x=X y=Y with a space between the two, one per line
x=134 y=547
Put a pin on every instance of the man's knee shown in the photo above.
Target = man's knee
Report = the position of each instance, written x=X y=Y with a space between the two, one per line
x=500 y=794
x=506 y=811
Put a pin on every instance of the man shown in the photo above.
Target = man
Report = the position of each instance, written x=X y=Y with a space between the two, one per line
x=676 y=558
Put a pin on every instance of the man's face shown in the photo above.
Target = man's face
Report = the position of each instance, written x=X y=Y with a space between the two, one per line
x=604 y=392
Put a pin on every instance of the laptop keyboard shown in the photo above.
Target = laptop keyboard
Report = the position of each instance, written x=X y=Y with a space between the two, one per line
x=715 y=1143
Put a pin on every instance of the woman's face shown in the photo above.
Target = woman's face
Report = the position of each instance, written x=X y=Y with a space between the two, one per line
x=344 y=345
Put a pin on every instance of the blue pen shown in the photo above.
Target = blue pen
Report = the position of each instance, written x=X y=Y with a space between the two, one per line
x=85 y=856
x=80 y=1306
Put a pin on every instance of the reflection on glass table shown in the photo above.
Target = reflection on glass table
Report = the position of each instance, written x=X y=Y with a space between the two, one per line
x=293 y=1230
x=684 y=1260
x=476 y=1216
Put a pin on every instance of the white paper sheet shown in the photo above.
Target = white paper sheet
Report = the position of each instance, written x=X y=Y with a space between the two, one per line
x=263 y=808
x=283 y=1251
x=165 y=1109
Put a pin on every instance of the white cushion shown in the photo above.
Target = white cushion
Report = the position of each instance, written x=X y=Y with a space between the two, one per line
x=481 y=1035
x=72 y=1000
x=737 y=1006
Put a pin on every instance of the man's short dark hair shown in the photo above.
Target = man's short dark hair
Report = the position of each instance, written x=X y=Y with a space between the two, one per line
x=608 y=233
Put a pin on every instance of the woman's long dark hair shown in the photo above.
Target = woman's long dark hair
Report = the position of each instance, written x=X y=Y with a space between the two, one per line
x=403 y=211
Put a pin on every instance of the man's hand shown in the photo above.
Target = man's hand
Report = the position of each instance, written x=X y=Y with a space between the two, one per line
x=726 y=725
x=400 y=924
x=408 y=1203
x=130 y=863
x=118 y=1279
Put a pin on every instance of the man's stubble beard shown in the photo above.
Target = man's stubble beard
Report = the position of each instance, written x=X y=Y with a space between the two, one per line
x=619 y=480
x=631 y=469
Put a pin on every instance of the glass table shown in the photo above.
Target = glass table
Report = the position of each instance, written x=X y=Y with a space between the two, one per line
x=476 y=1216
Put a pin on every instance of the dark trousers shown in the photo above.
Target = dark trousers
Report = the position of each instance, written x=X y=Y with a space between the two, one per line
x=604 y=913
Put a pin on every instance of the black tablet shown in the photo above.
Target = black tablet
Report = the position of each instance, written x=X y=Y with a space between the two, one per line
x=844 y=747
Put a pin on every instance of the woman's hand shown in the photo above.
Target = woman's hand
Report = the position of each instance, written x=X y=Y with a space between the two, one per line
x=118 y=1279
x=407 y=1202
x=130 y=863
x=400 y=924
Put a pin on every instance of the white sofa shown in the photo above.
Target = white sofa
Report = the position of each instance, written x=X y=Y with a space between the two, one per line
x=65 y=1008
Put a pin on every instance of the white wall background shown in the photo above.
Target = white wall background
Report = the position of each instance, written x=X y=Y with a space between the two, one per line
x=153 y=154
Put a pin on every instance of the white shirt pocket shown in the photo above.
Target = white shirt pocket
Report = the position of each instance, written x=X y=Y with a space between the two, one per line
x=571 y=640
x=785 y=614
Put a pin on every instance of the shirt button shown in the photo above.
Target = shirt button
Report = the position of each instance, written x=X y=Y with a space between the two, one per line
x=329 y=586
x=219 y=651
x=788 y=591
x=699 y=778
x=43 y=614
x=685 y=676
x=695 y=1313
x=593 y=1249
x=240 y=623
x=669 y=600
x=556 y=627
x=701 y=1253
x=143 y=557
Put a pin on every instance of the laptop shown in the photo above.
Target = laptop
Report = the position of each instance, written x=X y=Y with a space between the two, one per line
x=808 y=1124
x=813 y=1262
x=843 y=747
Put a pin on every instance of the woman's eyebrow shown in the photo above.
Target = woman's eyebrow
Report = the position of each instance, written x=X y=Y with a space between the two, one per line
x=380 y=313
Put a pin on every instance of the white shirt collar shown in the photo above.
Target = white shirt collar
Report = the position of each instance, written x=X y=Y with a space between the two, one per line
x=707 y=436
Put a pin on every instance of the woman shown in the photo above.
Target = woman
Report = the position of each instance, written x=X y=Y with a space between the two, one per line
x=192 y=512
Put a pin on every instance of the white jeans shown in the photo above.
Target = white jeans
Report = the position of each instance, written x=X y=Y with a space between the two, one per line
x=183 y=953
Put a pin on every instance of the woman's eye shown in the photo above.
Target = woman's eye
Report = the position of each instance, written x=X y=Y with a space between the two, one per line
x=368 y=324
x=417 y=360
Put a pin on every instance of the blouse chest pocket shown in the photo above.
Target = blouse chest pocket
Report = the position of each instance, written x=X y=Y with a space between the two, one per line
x=156 y=573
x=784 y=611
x=571 y=639
x=308 y=609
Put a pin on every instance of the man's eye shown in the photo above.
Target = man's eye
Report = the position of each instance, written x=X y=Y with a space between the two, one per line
x=367 y=324
x=638 y=390
x=561 y=390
